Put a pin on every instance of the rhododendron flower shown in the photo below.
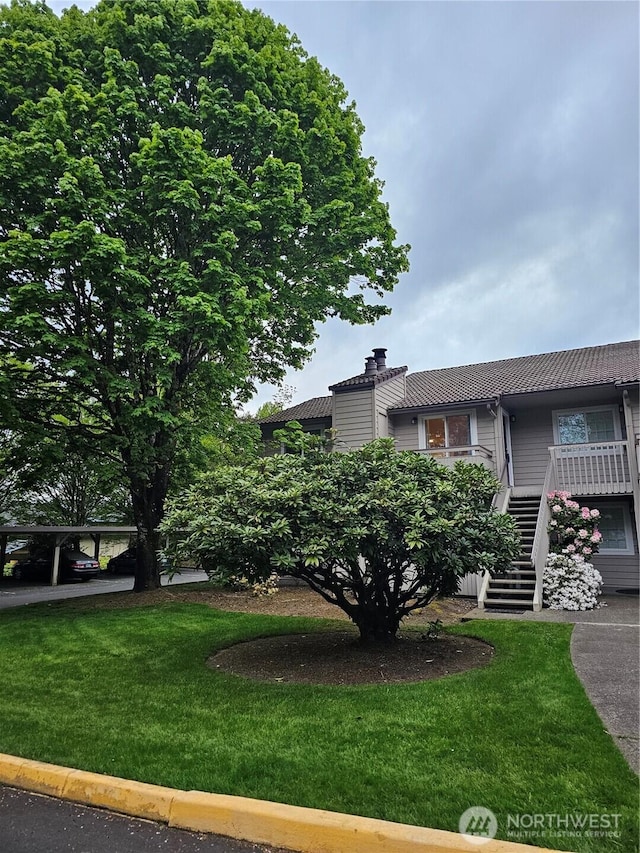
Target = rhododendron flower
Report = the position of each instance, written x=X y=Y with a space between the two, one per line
x=571 y=548
x=556 y=508
x=597 y=536
x=583 y=534
x=594 y=513
x=586 y=513
x=586 y=550
x=553 y=523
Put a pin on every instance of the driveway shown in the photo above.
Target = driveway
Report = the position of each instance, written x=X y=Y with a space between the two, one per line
x=13 y=594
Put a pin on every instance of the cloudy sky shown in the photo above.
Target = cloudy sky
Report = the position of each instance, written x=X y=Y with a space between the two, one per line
x=507 y=137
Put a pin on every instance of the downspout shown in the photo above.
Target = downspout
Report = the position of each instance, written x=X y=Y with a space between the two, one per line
x=634 y=467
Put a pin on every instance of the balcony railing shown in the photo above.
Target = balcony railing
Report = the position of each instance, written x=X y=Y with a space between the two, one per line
x=470 y=453
x=601 y=468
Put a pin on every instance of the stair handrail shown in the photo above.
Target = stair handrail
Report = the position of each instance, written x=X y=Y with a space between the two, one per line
x=500 y=503
x=540 y=547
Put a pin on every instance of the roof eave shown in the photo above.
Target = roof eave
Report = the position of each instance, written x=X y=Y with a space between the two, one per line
x=433 y=407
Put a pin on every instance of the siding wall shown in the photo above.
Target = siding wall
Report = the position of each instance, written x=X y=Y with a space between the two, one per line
x=634 y=403
x=619 y=571
x=386 y=395
x=353 y=419
x=531 y=437
x=486 y=429
x=404 y=432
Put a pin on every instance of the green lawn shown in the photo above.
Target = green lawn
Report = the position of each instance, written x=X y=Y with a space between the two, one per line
x=127 y=692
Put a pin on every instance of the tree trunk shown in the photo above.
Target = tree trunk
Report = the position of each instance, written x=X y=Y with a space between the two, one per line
x=148 y=509
x=377 y=625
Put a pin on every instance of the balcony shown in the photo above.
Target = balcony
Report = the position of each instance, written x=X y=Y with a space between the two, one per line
x=470 y=453
x=601 y=468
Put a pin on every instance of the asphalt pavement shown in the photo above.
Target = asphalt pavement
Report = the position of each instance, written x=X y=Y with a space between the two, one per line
x=14 y=594
x=32 y=823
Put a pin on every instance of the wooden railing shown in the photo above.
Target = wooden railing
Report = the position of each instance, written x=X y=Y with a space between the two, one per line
x=470 y=453
x=600 y=468
x=540 y=547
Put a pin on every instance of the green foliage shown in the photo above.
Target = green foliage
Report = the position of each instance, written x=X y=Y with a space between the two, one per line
x=182 y=197
x=376 y=532
x=293 y=438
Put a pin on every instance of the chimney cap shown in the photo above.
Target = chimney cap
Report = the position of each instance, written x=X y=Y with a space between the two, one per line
x=370 y=366
x=380 y=355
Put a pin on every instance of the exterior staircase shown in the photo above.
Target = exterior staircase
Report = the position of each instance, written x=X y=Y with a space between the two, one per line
x=514 y=588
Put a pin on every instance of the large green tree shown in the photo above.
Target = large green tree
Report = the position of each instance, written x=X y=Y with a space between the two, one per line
x=183 y=196
x=375 y=532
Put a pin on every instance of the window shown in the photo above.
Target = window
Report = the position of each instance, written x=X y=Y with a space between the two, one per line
x=586 y=426
x=615 y=526
x=448 y=431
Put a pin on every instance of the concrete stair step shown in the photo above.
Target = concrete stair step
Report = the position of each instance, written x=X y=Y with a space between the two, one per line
x=521 y=595
x=508 y=602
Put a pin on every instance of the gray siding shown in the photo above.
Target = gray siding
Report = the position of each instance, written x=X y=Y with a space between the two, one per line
x=353 y=419
x=486 y=430
x=619 y=571
x=386 y=395
x=405 y=433
x=531 y=437
x=634 y=403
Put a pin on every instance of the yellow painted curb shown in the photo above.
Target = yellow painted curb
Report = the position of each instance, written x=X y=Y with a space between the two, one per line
x=258 y=821
x=139 y=799
x=317 y=831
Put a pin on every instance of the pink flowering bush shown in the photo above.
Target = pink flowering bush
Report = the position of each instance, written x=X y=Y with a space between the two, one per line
x=570 y=581
x=572 y=529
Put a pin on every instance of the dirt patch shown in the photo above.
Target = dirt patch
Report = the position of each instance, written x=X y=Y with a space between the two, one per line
x=288 y=601
x=326 y=657
x=338 y=657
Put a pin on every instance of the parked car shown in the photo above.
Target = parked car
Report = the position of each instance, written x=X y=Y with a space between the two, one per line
x=125 y=562
x=74 y=565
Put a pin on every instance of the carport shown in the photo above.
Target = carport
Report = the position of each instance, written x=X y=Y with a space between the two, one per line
x=61 y=534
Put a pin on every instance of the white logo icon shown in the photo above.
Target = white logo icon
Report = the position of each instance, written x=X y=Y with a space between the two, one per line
x=478 y=825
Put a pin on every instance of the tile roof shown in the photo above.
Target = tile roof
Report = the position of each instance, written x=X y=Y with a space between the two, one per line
x=601 y=365
x=364 y=381
x=317 y=407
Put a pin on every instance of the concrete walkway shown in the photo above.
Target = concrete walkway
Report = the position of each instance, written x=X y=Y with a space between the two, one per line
x=605 y=650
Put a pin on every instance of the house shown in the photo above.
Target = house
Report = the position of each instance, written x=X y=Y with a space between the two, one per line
x=564 y=420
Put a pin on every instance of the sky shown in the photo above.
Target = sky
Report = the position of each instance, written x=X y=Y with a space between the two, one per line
x=507 y=137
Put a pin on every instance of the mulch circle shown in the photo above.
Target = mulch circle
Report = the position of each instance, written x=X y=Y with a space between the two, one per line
x=336 y=657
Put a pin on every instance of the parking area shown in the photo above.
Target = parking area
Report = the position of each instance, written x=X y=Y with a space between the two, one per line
x=15 y=594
